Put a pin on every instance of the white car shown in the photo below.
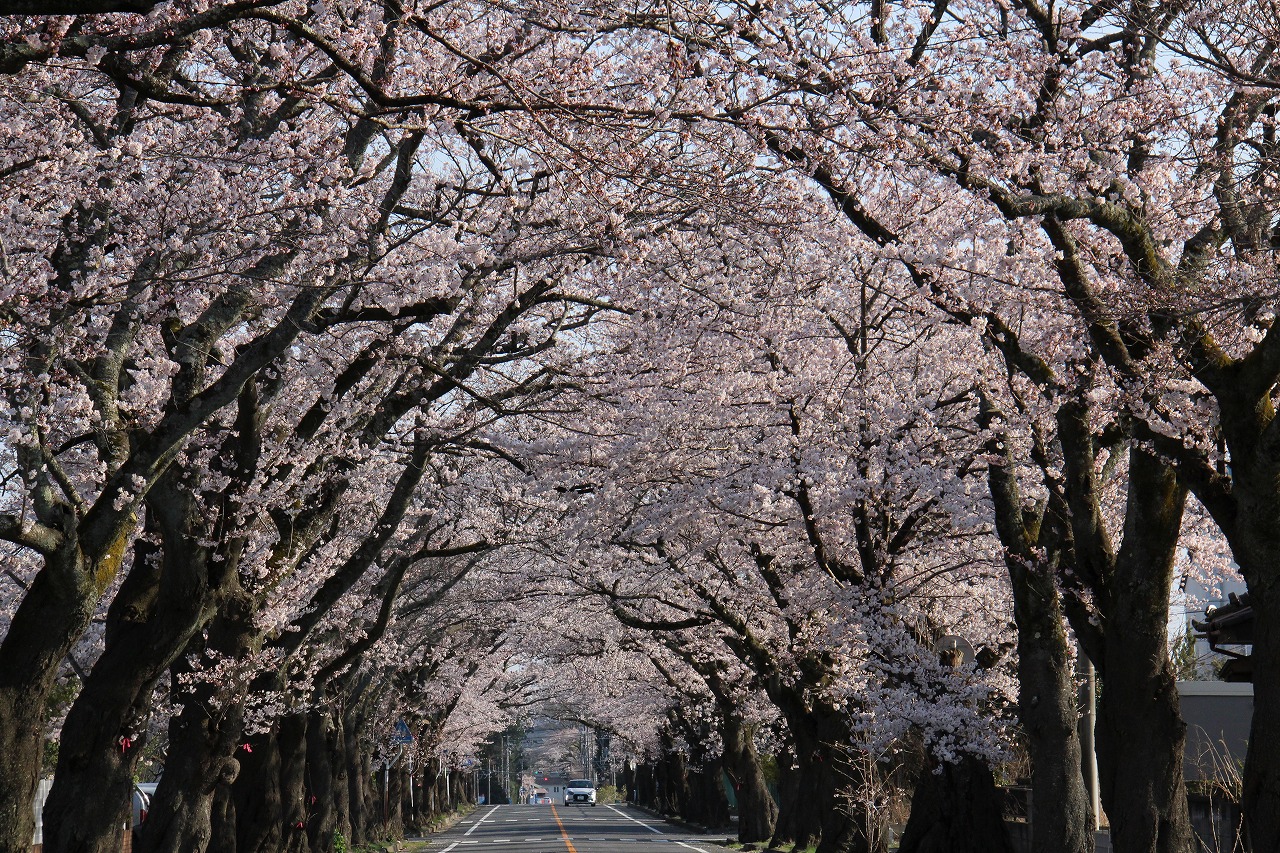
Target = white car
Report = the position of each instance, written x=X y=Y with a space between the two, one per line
x=143 y=793
x=580 y=791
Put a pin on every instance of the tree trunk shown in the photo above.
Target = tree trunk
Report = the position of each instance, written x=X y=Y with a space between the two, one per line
x=757 y=812
x=54 y=612
x=166 y=597
x=204 y=759
x=1254 y=532
x=99 y=748
x=785 y=827
x=821 y=813
x=257 y=796
x=200 y=768
x=845 y=817
x=341 y=778
x=715 y=802
x=1262 y=766
x=1033 y=548
x=392 y=791
x=322 y=782
x=673 y=790
x=1060 y=807
x=955 y=809
x=293 y=774
x=106 y=726
x=371 y=806
x=1140 y=731
x=646 y=784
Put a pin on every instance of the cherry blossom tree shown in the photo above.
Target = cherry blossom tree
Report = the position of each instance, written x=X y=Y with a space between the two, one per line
x=775 y=330
x=771 y=501
x=198 y=192
x=1067 y=150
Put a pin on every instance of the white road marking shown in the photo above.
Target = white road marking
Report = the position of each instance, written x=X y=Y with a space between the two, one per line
x=691 y=847
x=633 y=820
x=477 y=823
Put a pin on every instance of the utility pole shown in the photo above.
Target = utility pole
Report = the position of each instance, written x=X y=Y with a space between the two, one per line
x=1088 y=752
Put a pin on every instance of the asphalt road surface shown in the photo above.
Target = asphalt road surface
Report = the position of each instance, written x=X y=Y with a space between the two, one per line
x=566 y=829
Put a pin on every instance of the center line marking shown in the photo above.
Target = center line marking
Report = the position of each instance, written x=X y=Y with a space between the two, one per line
x=564 y=835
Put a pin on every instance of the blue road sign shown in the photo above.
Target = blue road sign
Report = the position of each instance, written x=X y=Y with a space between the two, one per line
x=402 y=733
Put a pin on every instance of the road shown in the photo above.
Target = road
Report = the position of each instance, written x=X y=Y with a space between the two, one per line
x=566 y=829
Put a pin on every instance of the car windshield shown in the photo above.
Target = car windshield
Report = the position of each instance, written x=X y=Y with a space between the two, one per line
x=581 y=783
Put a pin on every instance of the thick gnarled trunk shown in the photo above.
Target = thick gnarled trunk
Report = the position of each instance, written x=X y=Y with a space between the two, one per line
x=1140 y=732
x=166 y=597
x=822 y=812
x=757 y=812
x=1034 y=545
x=53 y=614
x=1047 y=711
x=955 y=809
x=323 y=781
x=193 y=803
x=193 y=797
x=1255 y=544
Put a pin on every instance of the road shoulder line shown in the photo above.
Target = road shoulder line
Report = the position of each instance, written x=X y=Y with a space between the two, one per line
x=476 y=825
x=633 y=820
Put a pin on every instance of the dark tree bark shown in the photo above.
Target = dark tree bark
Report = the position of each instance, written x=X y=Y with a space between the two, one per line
x=1034 y=545
x=821 y=813
x=1244 y=500
x=180 y=818
x=168 y=595
x=54 y=612
x=363 y=808
x=293 y=773
x=673 y=776
x=390 y=799
x=955 y=809
x=1140 y=732
x=646 y=784
x=257 y=796
x=322 y=783
x=341 y=777
x=222 y=819
x=707 y=802
x=786 y=826
x=203 y=758
x=105 y=728
x=757 y=812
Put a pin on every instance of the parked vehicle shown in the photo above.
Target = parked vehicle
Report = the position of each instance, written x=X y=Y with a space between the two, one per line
x=142 y=794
